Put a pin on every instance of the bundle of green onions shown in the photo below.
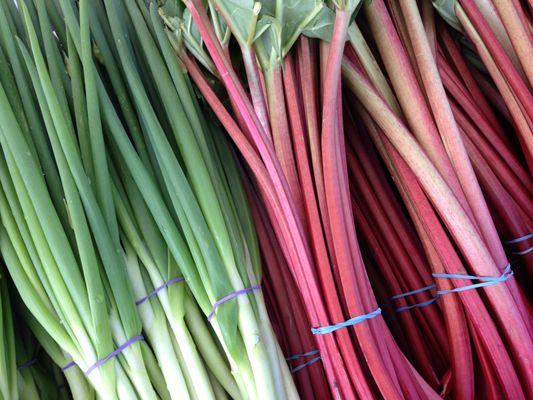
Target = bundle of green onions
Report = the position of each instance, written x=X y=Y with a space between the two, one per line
x=8 y=362
x=26 y=371
x=124 y=224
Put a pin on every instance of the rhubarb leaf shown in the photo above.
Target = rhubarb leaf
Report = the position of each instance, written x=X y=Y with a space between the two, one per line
x=241 y=17
x=321 y=26
x=297 y=15
x=446 y=9
x=268 y=41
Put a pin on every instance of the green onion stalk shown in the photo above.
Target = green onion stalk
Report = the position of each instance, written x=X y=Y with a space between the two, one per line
x=72 y=383
x=37 y=375
x=78 y=292
x=8 y=356
x=27 y=372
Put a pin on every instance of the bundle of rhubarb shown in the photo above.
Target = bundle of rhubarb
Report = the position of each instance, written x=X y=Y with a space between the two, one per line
x=388 y=147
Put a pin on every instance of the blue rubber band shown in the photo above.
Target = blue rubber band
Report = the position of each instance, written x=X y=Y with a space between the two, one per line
x=412 y=292
x=523 y=253
x=418 y=305
x=113 y=354
x=27 y=364
x=302 y=355
x=305 y=364
x=69 y=365
x=159 y=288
x=231 y=296
x=520 y=239
x=485 y=280
x=322 y=330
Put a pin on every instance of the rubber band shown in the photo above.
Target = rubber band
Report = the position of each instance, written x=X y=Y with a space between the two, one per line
x=229 y=297
x=486 y=280
x=520 y=239
x=322 y=330
x=27 y=364
x=522 y=253
x=413 y=292
x=69 y=365
x=113 y=354
x=305 y=364
x=302 y=355
x=418 y=305
x=158 y=289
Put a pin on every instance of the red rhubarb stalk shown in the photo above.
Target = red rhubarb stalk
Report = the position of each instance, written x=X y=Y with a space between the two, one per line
x=449 y=131
x=253 y=76
x=521 y=118
x=518 y=33
x=518 y=86
x=320 y=252
x=411 y=98
x=452 y=214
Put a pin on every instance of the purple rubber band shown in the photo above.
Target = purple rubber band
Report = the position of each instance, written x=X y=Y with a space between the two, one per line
x=412 y=292
x=69 y=365
x=418 y=305
x=158 y=289
x=27 y=364
x=305 y=364
x=229 y=297
x=524 y=252
x=113 y=354
x=520 y=239
x=302 y=355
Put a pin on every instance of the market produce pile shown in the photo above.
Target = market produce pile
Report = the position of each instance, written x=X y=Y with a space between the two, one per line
x=229 y=199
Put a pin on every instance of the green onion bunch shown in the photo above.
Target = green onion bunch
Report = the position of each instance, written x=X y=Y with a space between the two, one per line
x=8 y=356
x=26 y=369
x=123 y=218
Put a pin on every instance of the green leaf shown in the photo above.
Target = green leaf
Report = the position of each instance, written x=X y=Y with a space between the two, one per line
x=321 y=26
x=446 y=9
x=221 y=28
x=241 y=17
x=171 y=8
x=188 y=32
x=282 y=22
x=297 y=15
x=268 y=41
